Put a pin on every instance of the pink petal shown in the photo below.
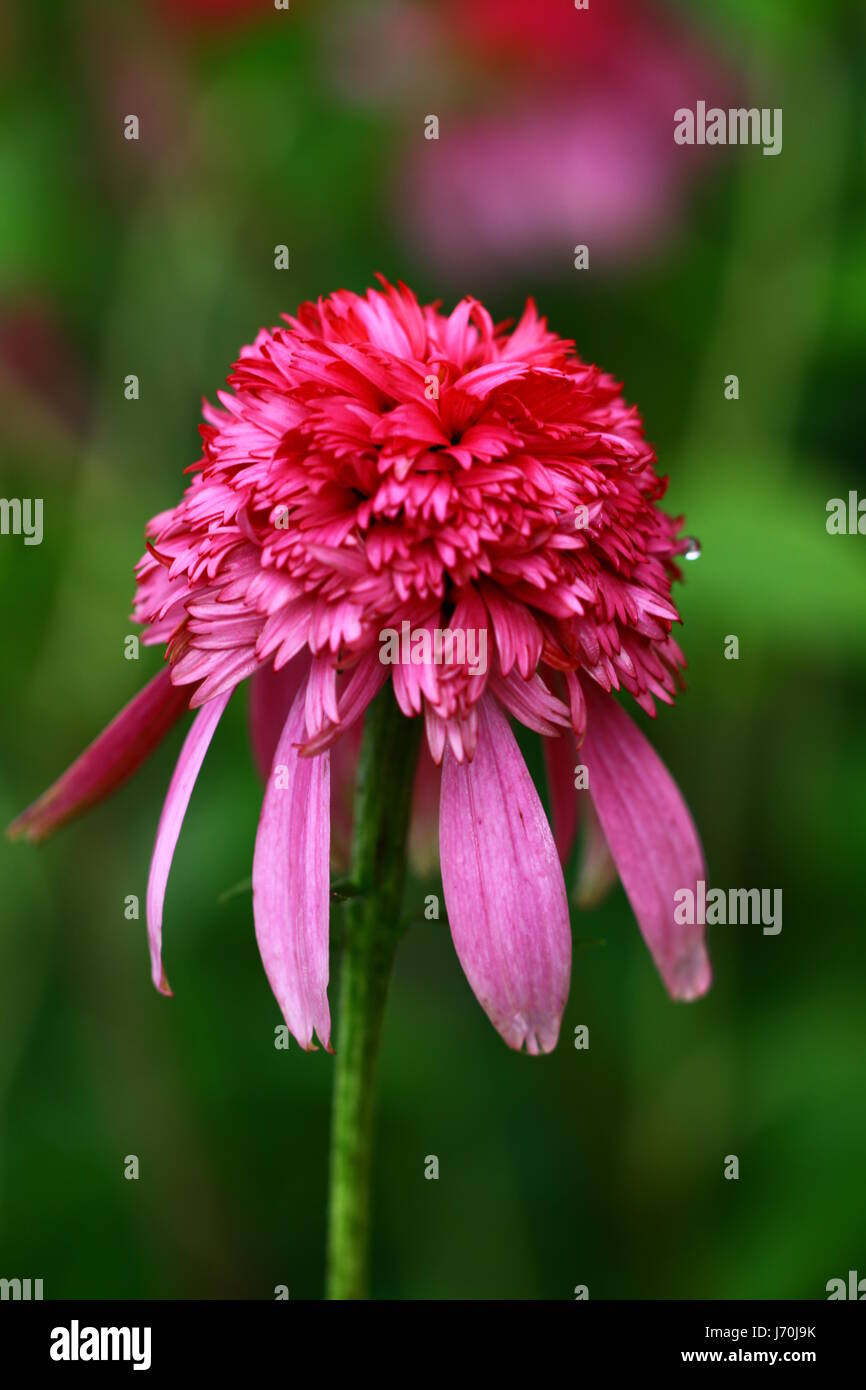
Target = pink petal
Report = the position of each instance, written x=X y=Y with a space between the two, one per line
x=291 y=883
x=596 y=871
x=504 y=888
x=321 y=707
x=344 y=772
x=424 y=822
x=531 y=702
x=363 y=684
x=560 y=760
x=109 y=761
x=177 y=798
x=518 y=636
x=652 y=838
x=271 y=696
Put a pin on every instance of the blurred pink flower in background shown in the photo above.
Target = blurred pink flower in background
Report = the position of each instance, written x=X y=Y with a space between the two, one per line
x=567 y=138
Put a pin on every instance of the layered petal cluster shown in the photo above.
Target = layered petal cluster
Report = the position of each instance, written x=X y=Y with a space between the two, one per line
x=378 y=466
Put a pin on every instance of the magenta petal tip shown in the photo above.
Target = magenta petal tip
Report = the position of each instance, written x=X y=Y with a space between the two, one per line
x=691 y=976
x=108 y=762
x=504 y=889
x=652 y=839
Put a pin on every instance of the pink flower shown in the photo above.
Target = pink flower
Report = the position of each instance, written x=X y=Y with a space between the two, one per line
x=563 y=135
x=378 y=463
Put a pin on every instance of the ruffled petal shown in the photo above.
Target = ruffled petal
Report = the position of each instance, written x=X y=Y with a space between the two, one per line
x=364 y=683
x=504 y=889
x=291 y=882
x=109 y=761
x=177 y=798
x=531 y=702
x=652 y=838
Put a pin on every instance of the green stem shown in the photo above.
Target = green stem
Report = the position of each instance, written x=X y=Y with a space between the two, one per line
x=382 y=802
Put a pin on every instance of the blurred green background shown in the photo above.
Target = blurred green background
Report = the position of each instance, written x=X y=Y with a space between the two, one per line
x=601 y=1167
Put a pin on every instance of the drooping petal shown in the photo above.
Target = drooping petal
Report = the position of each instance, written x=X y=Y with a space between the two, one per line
x=424 y=824
x=271 y=696
x=177 y=798
x=321 y=707
x=560 y=760
x=363 y=684
x=531 y=702
x=291 y=883
x=652 y=838
x=504 y=889
x=344 y=774
x=106 y=764
x=596 y=871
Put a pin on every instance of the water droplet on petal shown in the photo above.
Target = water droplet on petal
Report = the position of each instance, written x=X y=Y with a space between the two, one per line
x=692 y=548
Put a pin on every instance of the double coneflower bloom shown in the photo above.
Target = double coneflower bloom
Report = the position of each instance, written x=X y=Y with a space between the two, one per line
x=376 y=463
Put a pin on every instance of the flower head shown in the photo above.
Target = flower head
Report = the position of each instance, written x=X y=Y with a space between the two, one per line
x=379 y=467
